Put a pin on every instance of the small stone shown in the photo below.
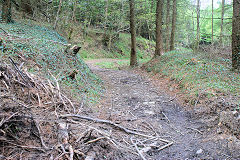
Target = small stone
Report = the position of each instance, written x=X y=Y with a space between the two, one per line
x=145 y=103
x=149 y=112
x=219 y=131
x=171 y=89
x=151 y=103
x=200 y=151
x=235 y=113
x=238 y=118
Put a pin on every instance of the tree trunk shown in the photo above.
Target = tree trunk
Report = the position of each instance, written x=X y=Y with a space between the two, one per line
x=106 y=18
x=198 y=25
x=73 y=12
x=167 y=27
x=26 y=8
x=236 y=35
x=221 y=31
x=159 y=44
x=133 y=59
x=6 y=11
x=174 y=17
x=58 y=12
x=212 y=21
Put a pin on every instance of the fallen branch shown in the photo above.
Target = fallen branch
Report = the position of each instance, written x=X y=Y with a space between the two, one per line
x=5 y=120
x=139 y=152
x=166 y=117
x=194 y=129
x=165 y=146
x=63 y=137
x=26 y=147
x=112 y=124
x=95 y=140
x=23 y=76
x=40 y=136
x=3 y=30
x=105 y=122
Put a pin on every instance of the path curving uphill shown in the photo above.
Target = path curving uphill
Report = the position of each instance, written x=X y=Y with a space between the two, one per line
x=132 y=100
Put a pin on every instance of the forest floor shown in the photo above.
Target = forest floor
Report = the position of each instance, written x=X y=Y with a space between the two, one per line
x=136 y=100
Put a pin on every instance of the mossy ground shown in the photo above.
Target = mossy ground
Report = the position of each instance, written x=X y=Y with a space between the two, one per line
x=41 y=50
x=198 y=75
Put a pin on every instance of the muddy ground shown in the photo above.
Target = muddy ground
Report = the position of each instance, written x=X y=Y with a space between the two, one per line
x=134 y=101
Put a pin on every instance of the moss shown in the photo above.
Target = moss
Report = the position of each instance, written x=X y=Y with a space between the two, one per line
x=44 y=48
x=196 y=73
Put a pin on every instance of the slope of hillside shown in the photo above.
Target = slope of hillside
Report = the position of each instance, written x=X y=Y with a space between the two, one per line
x=41 y=51
x=39 y=83
x=98 y=44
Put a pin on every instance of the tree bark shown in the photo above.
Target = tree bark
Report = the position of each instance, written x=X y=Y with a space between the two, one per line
x=167 y=26
x=6 y=11
x=159 y=44
x=106 y=17
x=212 y=21
x=174 y=17
x=26 y=7
x=221 y=31
x=58 y=12
x=198 y=25
x=133 y=59
x=236 y=35
x=73 y=12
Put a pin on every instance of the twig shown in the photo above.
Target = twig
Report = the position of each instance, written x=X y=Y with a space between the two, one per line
x=107 y=136
x=39 y=132
x=5 y=120
x=74 y=109
x=58 y=88
x=26 y=147
x=165 y=146
x=140 y=153
x=3 y=30
x=71 y=151
x=195 y=130
x=112 y=124
x=166 y=117
x=39 y=100
x=95 y=140
x=21 y=73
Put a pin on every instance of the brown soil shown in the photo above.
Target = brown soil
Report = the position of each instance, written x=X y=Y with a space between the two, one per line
x=140 y=102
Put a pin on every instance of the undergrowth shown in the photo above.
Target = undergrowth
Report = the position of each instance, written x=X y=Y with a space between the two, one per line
x=197 y=75
x=41 y=51
x=91 y=40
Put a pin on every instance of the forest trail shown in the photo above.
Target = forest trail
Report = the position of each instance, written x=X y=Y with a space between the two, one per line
x=132 y=100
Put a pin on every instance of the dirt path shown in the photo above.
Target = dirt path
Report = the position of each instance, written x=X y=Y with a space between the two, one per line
x=133 y=101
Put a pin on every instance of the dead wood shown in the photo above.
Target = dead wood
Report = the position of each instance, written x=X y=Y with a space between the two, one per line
x=39 y=107
x=139 y=152
x=25 y=78
x=128 y=131
x=105 y=122
x=72 y=49
x=63 y=137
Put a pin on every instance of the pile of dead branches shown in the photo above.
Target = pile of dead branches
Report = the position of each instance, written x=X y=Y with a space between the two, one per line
x=38 y=121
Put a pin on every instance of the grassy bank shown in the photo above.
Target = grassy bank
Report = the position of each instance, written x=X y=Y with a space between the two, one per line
x=94 y=45
x=198 y=76
x=40 y=50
